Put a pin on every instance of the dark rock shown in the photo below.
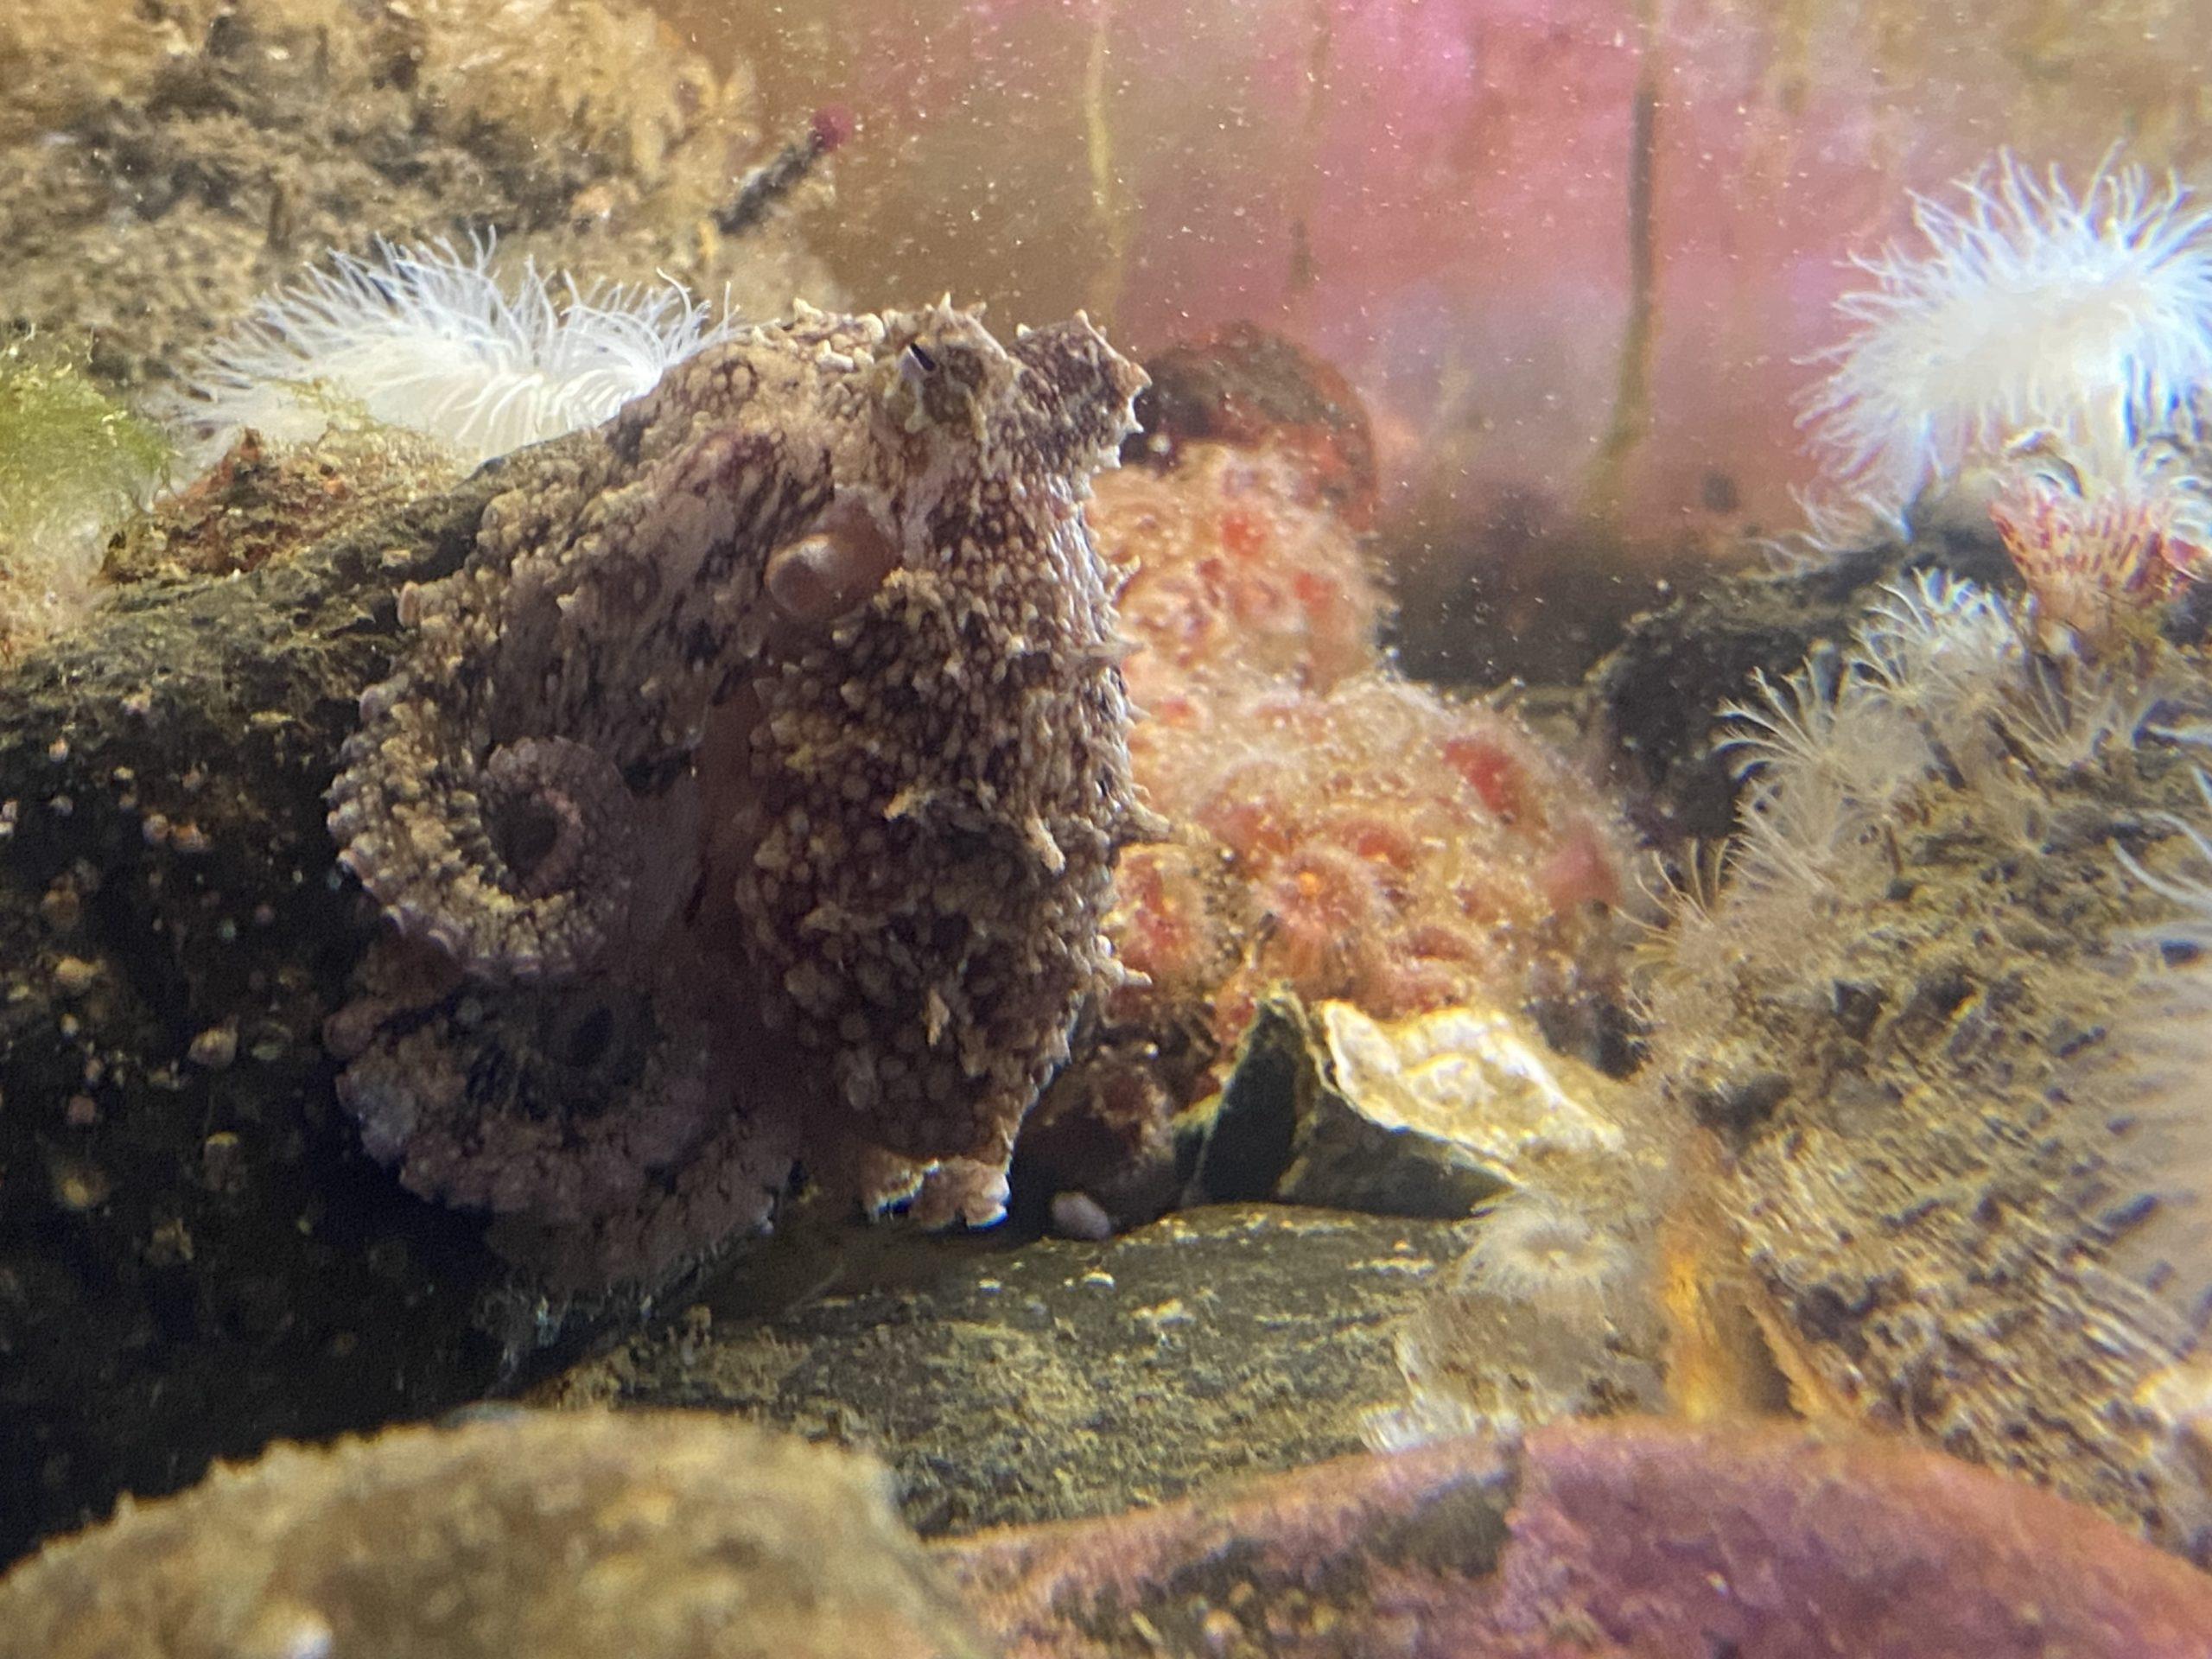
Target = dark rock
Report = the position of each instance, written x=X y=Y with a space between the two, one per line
x=1735 y=1107
x=1042 y=1380
x=196 y=1259
x=1426 y=1117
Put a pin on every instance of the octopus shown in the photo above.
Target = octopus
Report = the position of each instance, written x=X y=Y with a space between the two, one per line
x=747 y=801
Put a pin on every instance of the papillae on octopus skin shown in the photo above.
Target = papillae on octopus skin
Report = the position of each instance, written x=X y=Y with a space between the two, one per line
x=750 y=794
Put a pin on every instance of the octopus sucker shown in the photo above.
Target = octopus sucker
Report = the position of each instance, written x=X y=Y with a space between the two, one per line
x=789 y=701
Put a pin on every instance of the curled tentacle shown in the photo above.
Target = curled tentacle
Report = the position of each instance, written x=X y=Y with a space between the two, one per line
x=524 y=878
x=594 y=1122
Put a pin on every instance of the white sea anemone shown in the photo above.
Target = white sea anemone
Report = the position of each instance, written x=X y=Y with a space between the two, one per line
x=1532 y=1251
x=2027 y=308
x=430 y=339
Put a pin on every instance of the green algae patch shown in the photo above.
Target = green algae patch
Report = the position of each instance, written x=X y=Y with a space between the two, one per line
x=71 y=459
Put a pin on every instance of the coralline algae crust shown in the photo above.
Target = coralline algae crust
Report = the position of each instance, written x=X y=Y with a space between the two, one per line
x=752 y=793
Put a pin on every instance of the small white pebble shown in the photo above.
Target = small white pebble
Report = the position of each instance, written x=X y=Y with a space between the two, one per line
x=74 y=976
x=215 y=1048
x=1077 y=1215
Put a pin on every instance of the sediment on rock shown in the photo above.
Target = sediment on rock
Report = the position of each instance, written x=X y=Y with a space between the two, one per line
x=194 y=1255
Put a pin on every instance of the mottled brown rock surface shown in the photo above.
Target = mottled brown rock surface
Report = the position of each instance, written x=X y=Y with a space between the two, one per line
x=1951 y=1095
x=194 y=1257
x=1059 y=1377
x=168 y=162
x=661 y=1536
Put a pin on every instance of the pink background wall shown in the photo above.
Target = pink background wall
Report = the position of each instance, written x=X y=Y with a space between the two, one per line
x=1435 y=195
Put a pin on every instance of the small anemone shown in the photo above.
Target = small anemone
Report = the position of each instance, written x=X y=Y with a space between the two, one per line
x=429 y=339
x=1532 y=1251
x=1822 y=758
x=2100 y=546
x=2068 y=714
x=1934 y=645
x=1828 y=750
x=2026 y=306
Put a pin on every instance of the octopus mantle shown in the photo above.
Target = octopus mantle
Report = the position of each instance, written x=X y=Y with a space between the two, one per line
x=750 y=796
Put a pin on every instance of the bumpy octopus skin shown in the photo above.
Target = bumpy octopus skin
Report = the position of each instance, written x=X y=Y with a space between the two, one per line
x=750 y=795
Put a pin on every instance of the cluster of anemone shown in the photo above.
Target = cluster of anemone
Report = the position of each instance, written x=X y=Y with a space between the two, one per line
x=1943 y=704
x=1376 y=843
x=1337 y=827
x=1904 y=1000
x=1238 y=563
x=1941 y=687
x=1912 y=1002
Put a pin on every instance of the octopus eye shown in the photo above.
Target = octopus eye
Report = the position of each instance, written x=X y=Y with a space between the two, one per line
x=921 y=357
x=824 y=574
